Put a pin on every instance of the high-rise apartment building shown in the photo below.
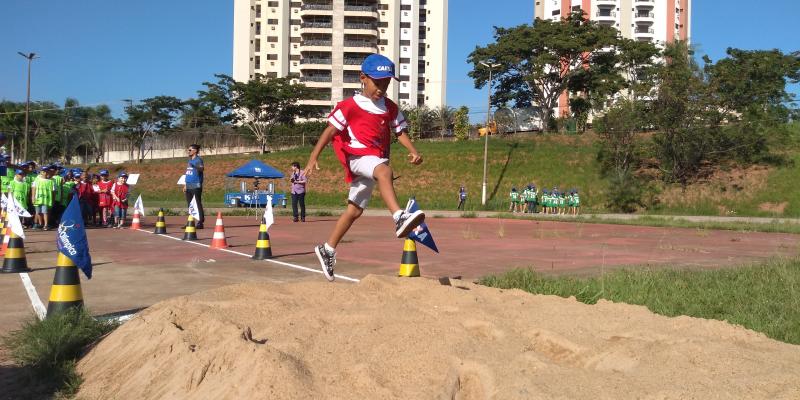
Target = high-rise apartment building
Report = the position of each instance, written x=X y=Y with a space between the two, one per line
x=323 y=42
x=656 y=21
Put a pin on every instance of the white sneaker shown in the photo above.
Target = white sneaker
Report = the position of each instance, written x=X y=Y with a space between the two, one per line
x=407 y=222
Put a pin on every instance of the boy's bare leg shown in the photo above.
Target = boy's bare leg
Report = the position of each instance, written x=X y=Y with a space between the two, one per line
x=383 y=175
x=351 y=213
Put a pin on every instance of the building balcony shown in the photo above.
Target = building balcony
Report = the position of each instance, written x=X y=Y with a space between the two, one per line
x=316 y=45
x=644 y=33
x=644 y=3
x=316 y=81
x=644 y=17
x=359 y=46
x=360 y=11
x=606 y=16
x=319 y=102
x=606 y=2
x=316 y=9
x=315 y=63
x=357 y=28
x=316 y=27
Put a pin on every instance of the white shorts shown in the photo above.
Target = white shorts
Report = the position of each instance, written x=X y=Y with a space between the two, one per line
x=363 y=179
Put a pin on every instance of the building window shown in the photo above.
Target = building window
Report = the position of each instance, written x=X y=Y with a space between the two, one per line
x=272 y=39
x=272 y=21
x=272 y=56
x=258 y=28
x=258 y=10
x=272 y=4
x=257 y=63
x=258 y=45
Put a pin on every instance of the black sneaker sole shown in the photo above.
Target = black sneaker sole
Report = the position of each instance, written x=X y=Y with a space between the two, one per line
x=410 y=224
x=322 y=265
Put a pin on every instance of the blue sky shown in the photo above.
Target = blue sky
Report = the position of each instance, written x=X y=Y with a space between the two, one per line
x=102 y=51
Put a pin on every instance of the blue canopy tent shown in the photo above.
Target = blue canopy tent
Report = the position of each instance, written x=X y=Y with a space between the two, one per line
x=253 y=195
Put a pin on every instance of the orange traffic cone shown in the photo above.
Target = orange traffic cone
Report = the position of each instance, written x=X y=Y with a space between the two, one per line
x=218 y=240
x=135 y=223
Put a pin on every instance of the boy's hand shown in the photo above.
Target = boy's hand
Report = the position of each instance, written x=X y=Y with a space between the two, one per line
x=415 y=158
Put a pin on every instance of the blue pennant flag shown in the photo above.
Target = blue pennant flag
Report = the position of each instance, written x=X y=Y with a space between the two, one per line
x=421 y=233
x=71 y=239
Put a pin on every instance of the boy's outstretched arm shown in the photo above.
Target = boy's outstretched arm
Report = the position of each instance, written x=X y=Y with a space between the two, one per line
x=326 y=137
x=414 y=155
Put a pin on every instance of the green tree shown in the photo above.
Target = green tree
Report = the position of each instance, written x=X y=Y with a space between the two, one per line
x=461 y=124
x=539 y=62
x=96 y=125
x=750 y=88
x=686 y=115
x=259 y=104
x=443 y=119
x=620 y=153
x=421 y=121
x=150 y=118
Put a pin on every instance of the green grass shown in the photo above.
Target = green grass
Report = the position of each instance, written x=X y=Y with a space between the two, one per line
x=48 y=349
x=566 y=161
x=762 y=297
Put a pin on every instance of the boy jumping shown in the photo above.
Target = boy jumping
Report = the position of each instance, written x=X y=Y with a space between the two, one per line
x=361 y=129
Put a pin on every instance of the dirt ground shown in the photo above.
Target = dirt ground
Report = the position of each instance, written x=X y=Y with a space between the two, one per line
x=136 y=269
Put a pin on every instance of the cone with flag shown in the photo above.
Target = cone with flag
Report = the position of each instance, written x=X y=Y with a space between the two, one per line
x=66 y=291
x=218 y=241
x=136 y=223
x=161 y=225
x=409 y=264
x=4 y=234
x=263 y=251
x=190 y=232
x=14 y=259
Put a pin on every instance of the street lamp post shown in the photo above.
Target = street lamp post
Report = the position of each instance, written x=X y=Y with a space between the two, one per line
x=30 y=57
x=488 y=130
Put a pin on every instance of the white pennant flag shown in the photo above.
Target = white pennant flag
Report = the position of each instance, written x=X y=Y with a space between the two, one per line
x=193 y=211
x=4 y=201
x=15 y=225
x=269 y=219
x=139 y=205
x=13 y=206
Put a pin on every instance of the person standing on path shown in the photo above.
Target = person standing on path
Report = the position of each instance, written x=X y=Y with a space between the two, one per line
x=193 y=185
x=298 y=179
x=462 y=197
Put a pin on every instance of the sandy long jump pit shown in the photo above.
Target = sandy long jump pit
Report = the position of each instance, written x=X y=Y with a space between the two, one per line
x=394 y=338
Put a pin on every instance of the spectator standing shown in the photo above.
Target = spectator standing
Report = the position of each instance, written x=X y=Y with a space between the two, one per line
x=462 y=198
x=298 y=179
x=193 y=186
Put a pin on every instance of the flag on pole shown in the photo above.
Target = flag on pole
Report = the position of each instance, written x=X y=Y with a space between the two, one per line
x=269 y=219
x=193 y=211
x=421 y=233
x=71 y=239
x=13 y=206
x=139 y=206
x=15 y=224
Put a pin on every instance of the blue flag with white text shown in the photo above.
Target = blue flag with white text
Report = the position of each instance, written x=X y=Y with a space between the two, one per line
x=71 y=239
x=421 y=233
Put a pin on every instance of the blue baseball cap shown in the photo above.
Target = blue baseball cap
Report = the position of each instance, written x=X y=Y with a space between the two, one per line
x=19 y=171
x=103 y=172
x=377 y=66
x=121 y=174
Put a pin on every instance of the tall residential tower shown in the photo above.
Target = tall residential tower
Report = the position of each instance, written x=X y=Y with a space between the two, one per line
x=322 y=43
x=656 y=21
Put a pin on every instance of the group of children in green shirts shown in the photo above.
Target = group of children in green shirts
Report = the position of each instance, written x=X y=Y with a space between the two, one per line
x=551 y=202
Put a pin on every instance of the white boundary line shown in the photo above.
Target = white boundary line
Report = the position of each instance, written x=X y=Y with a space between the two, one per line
x=285 y=264
x=36 y=302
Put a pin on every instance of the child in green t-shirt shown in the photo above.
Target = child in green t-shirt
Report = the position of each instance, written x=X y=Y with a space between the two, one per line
x=514 y=195
x=42 y=193
x=20 y=190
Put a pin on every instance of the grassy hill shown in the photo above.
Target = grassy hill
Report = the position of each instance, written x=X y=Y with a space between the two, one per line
x=547 y=161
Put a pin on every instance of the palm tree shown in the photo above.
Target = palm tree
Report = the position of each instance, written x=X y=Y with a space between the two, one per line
x=443 y=118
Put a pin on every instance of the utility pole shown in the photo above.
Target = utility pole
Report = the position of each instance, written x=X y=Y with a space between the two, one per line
x=30 y=57
x=488 y=131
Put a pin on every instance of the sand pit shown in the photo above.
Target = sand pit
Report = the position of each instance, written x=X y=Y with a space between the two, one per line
x=390 y=338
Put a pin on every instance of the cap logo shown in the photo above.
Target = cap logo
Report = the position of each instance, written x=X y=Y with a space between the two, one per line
x=384 y=68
